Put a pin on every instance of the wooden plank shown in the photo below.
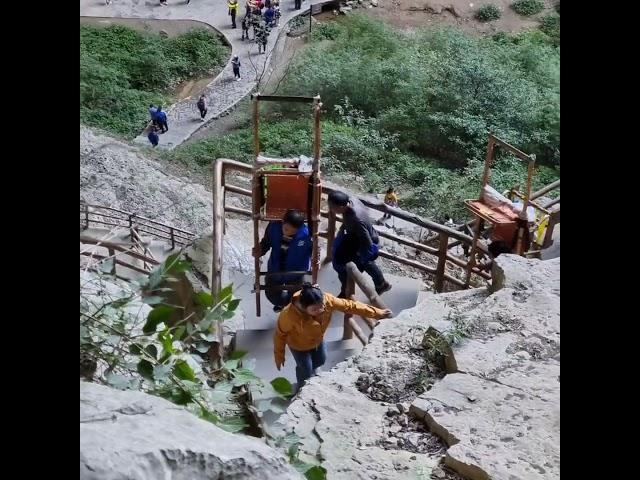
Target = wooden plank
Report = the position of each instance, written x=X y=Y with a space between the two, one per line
x=442 y=262
x=115 y=246
x=546 y=189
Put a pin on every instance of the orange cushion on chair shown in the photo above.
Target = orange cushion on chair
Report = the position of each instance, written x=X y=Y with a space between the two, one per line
x=285 y=192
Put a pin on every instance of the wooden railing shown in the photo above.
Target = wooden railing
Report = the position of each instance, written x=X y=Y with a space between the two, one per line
x=116 y=253
x=99 y=215
x=441 y=251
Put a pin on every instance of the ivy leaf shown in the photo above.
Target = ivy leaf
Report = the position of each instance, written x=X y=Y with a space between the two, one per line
x=135 y=348
x=202 y=347
x=155 y=277
x=209 y=416
x=316 y=473
x=232 y=424
x=238 y=354
x=152 y=351
x=161 y=372
x=152 y=300
x=225 y=294
x=204 y=299
x=183 y=371
x=221 y=392
x=233 y=304
x=179 y=333
x=145 y=369
x=282 y=386
x=118 y=381
x=209 y=337
x=167 y=341
x=231 y=364
x=159 y=314
x=243 y=376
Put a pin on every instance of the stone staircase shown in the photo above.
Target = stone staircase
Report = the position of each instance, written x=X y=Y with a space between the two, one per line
x=255 y=334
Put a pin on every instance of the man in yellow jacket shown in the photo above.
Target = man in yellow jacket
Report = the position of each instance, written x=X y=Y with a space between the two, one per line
x=233 y=11
x=302 y=324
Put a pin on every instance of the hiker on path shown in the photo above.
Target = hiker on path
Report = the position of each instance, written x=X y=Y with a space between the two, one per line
x=153 y=136
x=233 y=11
x=290 y=243
x=235 y=62
x=152 y=114
x=276 y=7
x=357 y=241
x=302 y=324
x=391 y=199
x=245 y=24
x=161 y=120
x=262 y=35
x=270 y=16
x=202 y=106
x=298 y=4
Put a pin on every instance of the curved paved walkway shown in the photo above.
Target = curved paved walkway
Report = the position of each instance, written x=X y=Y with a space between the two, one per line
x=223 y=92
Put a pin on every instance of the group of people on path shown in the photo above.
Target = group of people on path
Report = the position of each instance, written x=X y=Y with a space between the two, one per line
x=158 y=123
x=304 y=316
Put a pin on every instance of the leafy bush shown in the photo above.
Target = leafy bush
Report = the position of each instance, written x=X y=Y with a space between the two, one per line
x=527 y=7
x=551 y=26
x=161 y=353
x=489 y=12
x=123 y=71
x=440 y=91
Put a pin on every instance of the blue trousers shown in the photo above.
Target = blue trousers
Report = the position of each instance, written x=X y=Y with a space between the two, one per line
x=308 y=361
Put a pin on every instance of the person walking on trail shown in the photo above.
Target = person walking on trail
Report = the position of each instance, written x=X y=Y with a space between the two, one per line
x=161 y=119
x=262 y=35
x=391 y=199
x=153 y=136
x=245 y=24
x=235 y=63
x=152 y=114
x=202 y=106
x=290 y=243
x=356 y=242
x=302 y=324
x=278 y=13
x=270 y=16
x=298 y=4
x=233 y=11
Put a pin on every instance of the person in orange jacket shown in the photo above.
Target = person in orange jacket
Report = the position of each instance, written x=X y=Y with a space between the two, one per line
x=303 y=322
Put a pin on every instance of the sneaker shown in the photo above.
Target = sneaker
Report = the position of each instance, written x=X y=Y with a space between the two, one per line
x=385 y=287
x=277 y=308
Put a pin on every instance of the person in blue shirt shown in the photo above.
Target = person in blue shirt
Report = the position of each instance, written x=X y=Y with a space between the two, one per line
x=153 y=136
x=269 y=16
x=290 y=243
x=161 y=120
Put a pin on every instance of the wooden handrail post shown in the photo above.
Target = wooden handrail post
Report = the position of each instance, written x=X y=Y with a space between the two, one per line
x=472 y=253
x=131 y=215
x=331 y=236
x=173 y=238
x=350 y=294
x=216 y=352
x=442 y=261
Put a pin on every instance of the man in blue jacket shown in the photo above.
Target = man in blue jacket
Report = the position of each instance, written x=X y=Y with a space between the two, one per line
x=290 y=243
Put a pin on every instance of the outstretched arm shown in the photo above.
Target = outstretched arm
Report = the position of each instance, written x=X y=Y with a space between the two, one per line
x=356 y=308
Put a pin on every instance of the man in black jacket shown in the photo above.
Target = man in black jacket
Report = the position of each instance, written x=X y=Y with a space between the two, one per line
x=356 y=241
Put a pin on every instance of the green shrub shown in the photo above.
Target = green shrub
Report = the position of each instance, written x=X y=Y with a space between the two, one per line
x=123 y=71
x=527 y=7
x=551 y=26
x=489 y=12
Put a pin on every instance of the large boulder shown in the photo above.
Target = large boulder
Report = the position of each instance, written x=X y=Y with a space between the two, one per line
x=129 y=435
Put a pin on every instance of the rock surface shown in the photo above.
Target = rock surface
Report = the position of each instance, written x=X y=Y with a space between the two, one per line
x=126 y=435
x=497 y=409
x=500 y=411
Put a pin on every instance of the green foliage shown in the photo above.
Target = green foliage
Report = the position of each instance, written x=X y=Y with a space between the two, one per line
x=488 y=13
x=527 y=7
x=123 y=71
x=439 y=90
x=550 y=25
x=158 y=354
x=326 y=31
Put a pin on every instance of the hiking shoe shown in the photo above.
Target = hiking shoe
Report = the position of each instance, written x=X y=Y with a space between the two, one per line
x=385 y=287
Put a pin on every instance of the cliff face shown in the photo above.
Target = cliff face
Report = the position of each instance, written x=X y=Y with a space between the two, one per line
x=497 y=408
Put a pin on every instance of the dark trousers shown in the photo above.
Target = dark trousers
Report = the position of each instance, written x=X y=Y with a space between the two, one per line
x=370 y=267
x=233 y=19
x=163 y=126
x=298 y=4
x=236 y=72
x=308 y=361
x=277 y=296
x=203 y=112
